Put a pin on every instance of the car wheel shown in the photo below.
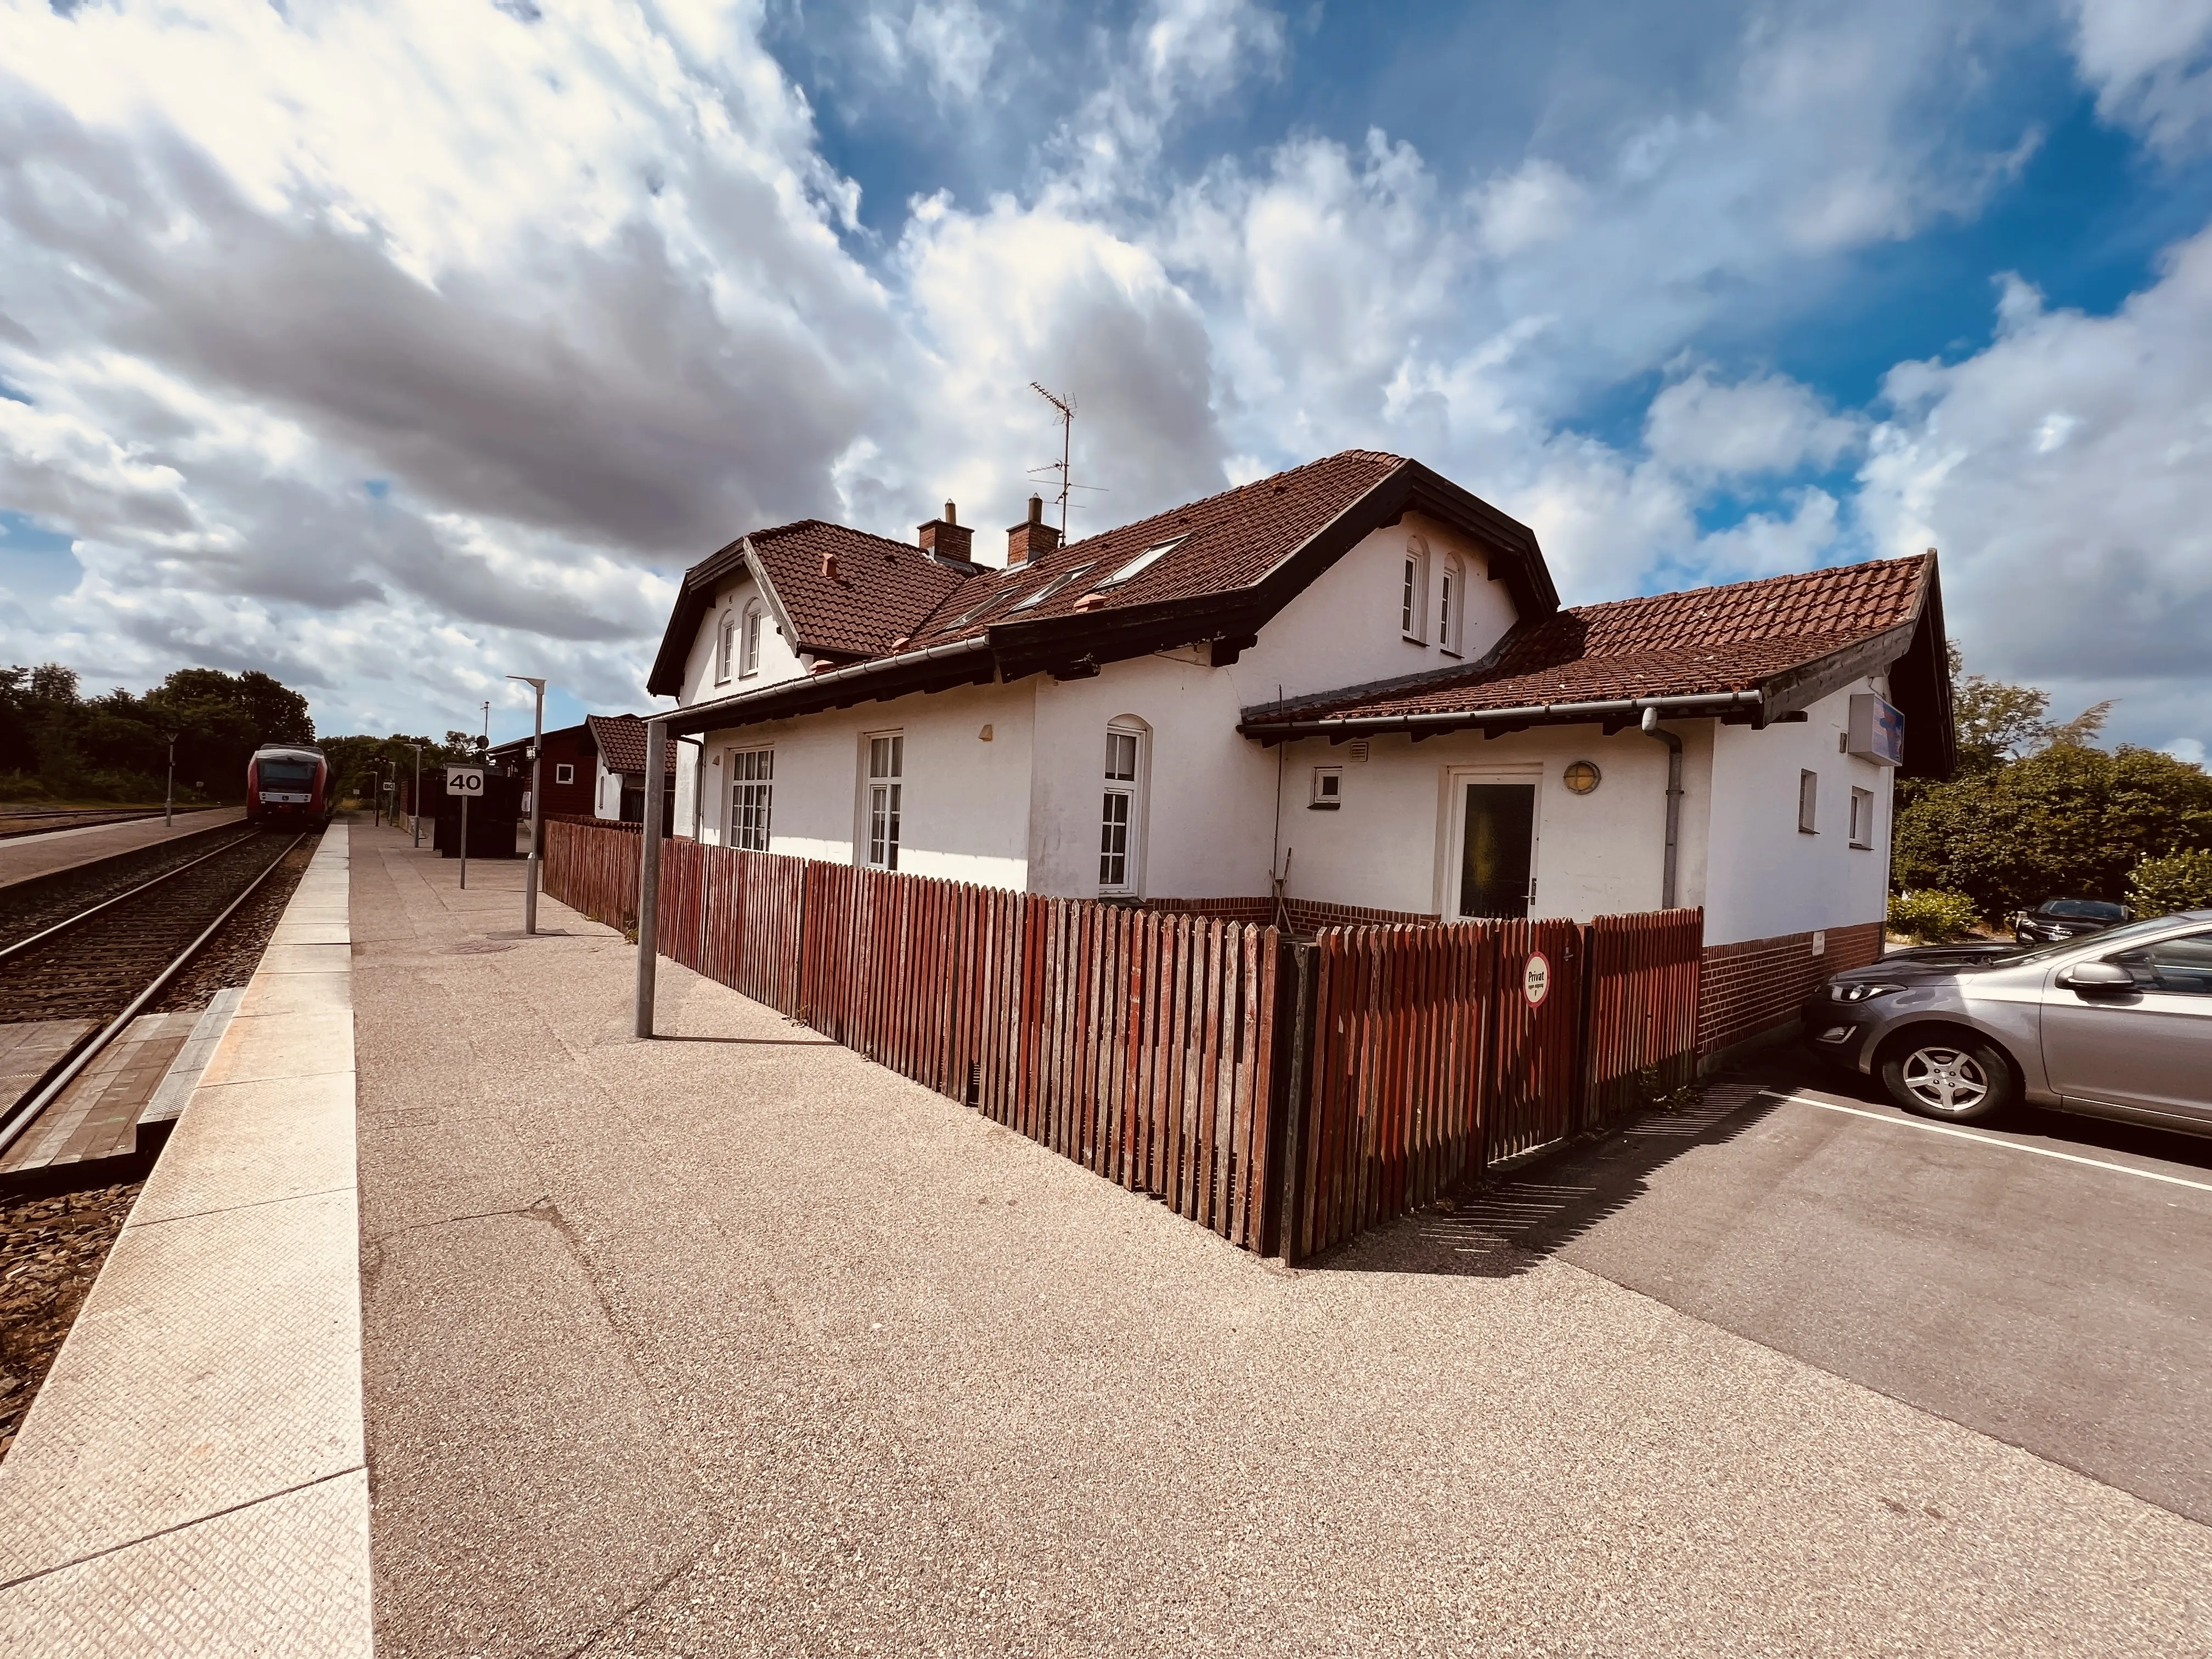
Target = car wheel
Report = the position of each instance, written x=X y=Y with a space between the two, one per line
x=1949 y=1075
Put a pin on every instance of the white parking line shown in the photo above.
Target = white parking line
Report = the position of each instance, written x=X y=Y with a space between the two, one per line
x=1992 y=1141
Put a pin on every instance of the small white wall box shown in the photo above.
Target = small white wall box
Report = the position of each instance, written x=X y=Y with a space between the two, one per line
x=1877 y=730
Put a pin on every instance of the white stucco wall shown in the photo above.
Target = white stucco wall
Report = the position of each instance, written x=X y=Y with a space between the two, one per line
x=1344 y=629
x=965 y=800
x=1768 y=879
x=1393 y=844
x=606 y=794
x=1207 y=807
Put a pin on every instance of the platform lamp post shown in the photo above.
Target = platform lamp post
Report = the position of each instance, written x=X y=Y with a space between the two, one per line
x=536 y=805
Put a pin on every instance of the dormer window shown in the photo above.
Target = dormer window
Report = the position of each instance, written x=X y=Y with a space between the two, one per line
x=1413 y=591
x=749 y=640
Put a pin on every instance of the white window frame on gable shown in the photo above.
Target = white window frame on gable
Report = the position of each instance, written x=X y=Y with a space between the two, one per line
x=1413 y=592
x=725 y=633
x=1451 y=604
x=750 y=775
x=564 y=771
x=1121 y=810
x=748 y=641
x=883 y=799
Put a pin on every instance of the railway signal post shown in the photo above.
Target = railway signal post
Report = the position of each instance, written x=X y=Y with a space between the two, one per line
x=537 y=742
x=465 y=781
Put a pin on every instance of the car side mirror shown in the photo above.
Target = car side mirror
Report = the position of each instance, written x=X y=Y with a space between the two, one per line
x=2093 y=976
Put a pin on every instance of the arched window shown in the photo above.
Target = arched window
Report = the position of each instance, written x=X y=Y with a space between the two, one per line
x=726 y=634
x=749 y=641
x=1413 y=590
x=1451 y=595
x=1121 y=817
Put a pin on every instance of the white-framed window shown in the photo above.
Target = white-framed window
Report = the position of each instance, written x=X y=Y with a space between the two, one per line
x=726 y=635
x=1413 y=590
x=1861 y=818
x=882 y=805
x=1122 y=812
x=752 y=790
x=564 y=771
x=1451 y=593
x=1327 y=787
x=748 y=641
x=1808 y=802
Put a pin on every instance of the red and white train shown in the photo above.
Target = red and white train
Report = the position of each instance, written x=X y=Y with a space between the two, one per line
x=287 y=784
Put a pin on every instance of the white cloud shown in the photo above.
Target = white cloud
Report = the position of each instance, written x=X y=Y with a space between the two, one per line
x=1772 y=424
x=2151 y=63
x=2063 y=472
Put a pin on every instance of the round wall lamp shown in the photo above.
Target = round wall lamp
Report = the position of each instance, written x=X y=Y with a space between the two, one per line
x=1581 y=777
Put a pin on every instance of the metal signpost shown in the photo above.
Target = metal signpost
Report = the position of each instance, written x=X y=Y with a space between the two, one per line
x=465 y=781
x=537 y=742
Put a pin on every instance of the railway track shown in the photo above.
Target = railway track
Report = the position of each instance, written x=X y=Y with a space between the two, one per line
x=107 y=963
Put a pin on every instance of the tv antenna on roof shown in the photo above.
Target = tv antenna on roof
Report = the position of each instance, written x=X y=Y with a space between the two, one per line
x=1066 y=408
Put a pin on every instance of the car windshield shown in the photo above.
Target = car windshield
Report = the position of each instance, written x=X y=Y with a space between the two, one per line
x=2082 y=909
x=2104 y=941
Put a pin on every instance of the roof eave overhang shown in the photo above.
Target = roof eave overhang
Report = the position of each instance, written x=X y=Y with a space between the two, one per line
x=1703 y=704
x=938 y=668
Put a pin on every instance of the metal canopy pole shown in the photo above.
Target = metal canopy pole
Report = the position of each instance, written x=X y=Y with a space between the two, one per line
x=648 y=868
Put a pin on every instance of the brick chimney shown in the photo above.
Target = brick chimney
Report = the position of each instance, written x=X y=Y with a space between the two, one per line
x=946 y=537
x=1032 y=538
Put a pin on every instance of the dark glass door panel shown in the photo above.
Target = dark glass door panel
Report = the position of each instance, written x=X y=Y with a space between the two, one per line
x=1499 y=844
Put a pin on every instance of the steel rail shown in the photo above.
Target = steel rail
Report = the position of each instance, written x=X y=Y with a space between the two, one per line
x=68 y=923
x=88 y=1048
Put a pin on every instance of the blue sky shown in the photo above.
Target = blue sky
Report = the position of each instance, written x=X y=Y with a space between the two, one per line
x=396 y=349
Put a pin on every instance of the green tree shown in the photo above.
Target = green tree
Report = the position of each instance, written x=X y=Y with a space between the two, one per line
x=2181 y=881
x=2067 y=819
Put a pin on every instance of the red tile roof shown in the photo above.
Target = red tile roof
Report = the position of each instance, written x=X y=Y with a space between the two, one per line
x=881 y=593
x=1224 y=542
x=621 y=739
x=1706 y=641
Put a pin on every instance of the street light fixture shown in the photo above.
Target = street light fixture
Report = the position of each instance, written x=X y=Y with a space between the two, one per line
x=536 y=803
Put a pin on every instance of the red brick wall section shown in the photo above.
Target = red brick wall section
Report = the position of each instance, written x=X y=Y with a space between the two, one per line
x=1756 y=984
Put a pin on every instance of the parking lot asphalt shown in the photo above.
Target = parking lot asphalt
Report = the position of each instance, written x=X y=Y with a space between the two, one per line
x=731 y=1342
x=2046 y=1281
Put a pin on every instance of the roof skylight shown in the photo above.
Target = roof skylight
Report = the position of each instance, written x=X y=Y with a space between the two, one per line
x=1137 y=567
x=1053 y=587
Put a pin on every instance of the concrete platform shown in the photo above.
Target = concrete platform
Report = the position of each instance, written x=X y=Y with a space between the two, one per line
x=27 y=858
x=191 y=1479
x=731 y=1342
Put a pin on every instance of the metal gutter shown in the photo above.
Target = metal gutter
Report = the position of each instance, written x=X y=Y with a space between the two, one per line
x=696 y=716
x=1561 y=711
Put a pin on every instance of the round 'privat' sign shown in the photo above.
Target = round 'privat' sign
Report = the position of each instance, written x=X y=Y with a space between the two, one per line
x=1536 y=980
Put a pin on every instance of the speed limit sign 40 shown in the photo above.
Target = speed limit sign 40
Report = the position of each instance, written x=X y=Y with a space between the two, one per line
x=465 y=781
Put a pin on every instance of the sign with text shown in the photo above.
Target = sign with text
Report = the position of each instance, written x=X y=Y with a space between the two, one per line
x=465 y=781
x=1536 y=980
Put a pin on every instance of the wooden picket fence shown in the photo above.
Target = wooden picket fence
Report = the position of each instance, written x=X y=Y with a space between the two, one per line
x=594 y=870
x=1432 y=1054
x=1142 y=1047
x=1288 y=1097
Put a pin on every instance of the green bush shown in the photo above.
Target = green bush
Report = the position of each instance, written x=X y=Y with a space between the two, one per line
x=2182 y=881
x=1930 y=916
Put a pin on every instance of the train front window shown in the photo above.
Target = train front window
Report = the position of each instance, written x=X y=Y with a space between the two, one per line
x=288 y=775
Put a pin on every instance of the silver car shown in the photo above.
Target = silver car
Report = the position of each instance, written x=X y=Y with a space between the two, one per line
x=2116 y=1024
